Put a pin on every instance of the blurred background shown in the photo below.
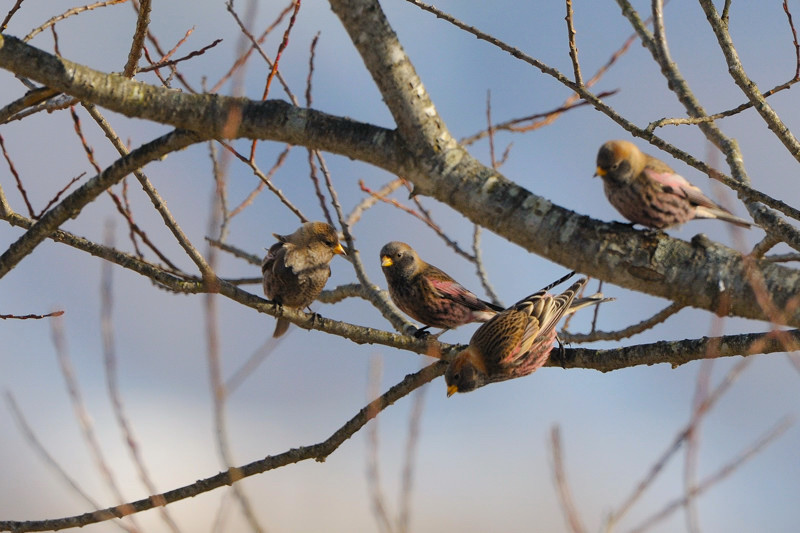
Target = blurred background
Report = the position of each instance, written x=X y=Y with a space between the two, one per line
x=484 y=459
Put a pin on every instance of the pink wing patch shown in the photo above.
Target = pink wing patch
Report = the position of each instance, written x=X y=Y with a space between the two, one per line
x=680 y=186
x=457 y=292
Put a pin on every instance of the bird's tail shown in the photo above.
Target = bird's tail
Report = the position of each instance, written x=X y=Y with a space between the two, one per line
x=713 y=212
x=281 y=325
x=580 y=303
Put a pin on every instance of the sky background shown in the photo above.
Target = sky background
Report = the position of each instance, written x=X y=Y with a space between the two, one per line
x=483 y=461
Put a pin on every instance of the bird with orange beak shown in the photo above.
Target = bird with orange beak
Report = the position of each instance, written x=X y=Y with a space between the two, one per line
x=297 y=267
x=646 y=191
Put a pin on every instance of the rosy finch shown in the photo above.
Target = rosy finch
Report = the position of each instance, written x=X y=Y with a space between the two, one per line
x=647 y=191
x=298 y=265
x=517 y=341
x=427 y=294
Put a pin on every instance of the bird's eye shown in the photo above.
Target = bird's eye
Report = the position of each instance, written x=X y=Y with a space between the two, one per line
x=456 y=377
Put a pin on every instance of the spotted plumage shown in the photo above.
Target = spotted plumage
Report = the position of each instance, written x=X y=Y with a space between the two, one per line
x=646 y=191
x=297 y=267
x=516 y=342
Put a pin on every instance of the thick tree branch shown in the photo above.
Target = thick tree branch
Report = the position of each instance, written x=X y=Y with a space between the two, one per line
x=692 y=275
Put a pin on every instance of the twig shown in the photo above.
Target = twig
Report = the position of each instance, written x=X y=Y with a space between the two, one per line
x=32 y=317
x=216 y=382
x=699 y=412
x=274 y=66
x=17 y=179
x=750 y=89
x=137 y=43
x=482 y=274
x=50 y=461
x=412 y=443
x=573 y=49
x=158 y=203
x=267 y=181
x=537 y=120
x=281 y=159
x=635 y=329
x=373 y=470
x=726 y=470
x=251 y=364
x=311 y=164
x=372 y=199
x=173 y=62
x=574 y=521
x=81 y=414
x=378 y=298
x=318 y=452
x=14 y=9
x=794 y=39
x=254 y=46
x=783 y=258
x=110 y=365
x=236 y=252
x=69 y=13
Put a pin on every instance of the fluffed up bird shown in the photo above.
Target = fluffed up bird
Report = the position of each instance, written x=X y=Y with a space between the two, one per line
x=646 y=191
x=517 y=341
x=297 y=267
x=428 y=294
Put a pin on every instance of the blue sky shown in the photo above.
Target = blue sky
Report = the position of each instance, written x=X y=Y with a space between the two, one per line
x=484 y=460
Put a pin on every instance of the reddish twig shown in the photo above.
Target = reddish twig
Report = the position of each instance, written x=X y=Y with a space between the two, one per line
x=173 y=62
x=14 y=173
x=14 y=9
x=255 y=44
x=32 y=317
x=311 y=163
x=794 y=39
x=424 y=217
x=564 y=493
x=267 y=181
x=274 y=69
x=58 y=195
x=56 y=50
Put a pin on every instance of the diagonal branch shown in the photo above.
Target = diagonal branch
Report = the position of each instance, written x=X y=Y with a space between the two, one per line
x=319 y=452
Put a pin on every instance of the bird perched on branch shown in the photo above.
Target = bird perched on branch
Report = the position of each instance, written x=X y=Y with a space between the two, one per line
x=646 y=191
x=297 y=267
x=428 y=294
x=517 y=341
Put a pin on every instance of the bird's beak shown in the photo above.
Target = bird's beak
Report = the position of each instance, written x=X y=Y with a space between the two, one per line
x=451 y=389
x=339 y=249
x=600 y=172
x=386 y=261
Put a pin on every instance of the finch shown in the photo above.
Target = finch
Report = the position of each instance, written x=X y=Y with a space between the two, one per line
x=647 y=191
x=427 y=294
x=297 y=267
x=516 y=342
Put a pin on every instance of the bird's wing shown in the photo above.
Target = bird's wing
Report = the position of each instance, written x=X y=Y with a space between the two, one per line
x=678 y=185
x=449 y=288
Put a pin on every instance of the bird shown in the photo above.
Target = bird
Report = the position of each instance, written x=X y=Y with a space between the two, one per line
x=427 y=294
x=517 y=341
x=646 y=191
x=297 y=267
